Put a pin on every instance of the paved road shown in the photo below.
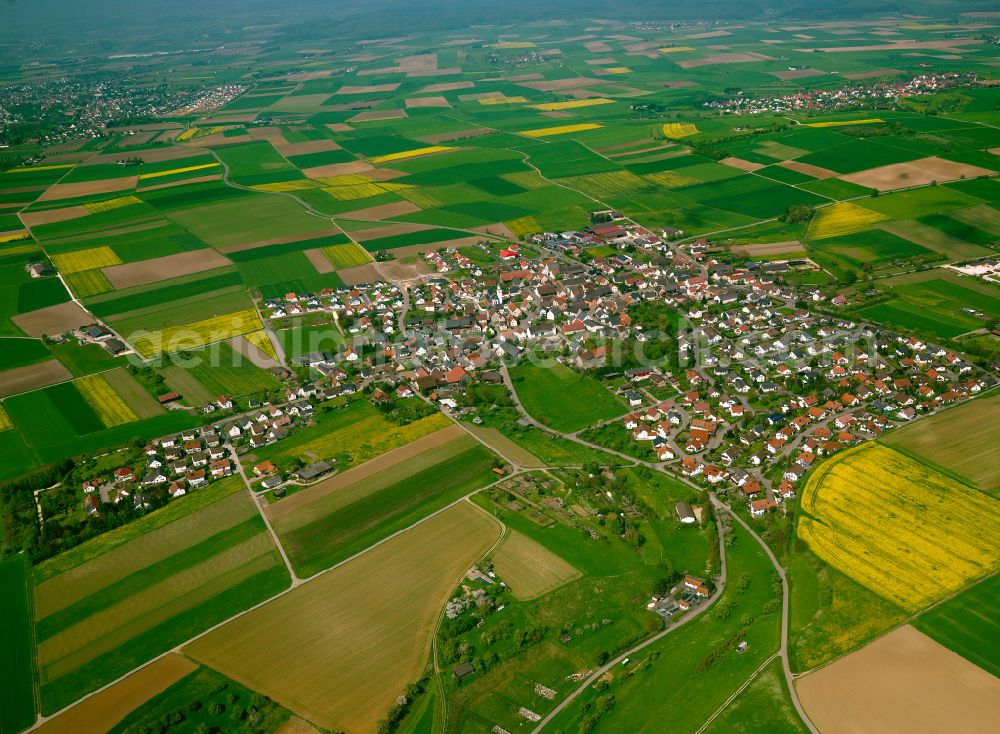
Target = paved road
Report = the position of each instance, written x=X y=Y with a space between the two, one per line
x=783 y=649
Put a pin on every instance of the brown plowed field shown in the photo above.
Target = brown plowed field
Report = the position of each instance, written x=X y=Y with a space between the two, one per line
x=903 y=683
x=340 y=649
x=163 y=268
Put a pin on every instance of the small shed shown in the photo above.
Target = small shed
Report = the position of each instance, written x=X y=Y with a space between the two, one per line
x=685 y=513
x=463 y=671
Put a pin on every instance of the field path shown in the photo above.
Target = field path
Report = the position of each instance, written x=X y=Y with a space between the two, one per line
x=296 y=581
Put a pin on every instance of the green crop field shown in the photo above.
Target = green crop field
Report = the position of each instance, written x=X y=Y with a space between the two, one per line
x=563 y=399
x=966 y=624
x=223 y=371
x=363 y=515
x=17 y=700
x=123 y=605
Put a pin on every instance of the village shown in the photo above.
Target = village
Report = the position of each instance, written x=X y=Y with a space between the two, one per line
x=755 y=388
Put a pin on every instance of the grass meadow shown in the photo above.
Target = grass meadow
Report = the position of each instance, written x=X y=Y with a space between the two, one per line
x=17 y=699
x=563 y=399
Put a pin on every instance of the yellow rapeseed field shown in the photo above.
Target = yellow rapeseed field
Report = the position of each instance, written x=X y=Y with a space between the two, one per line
x=868 y=121
x=354 y=191
x=89 y=259
x=197 y=334
x=186 y=135
x=347 y=255
x=5 y=422
x=898 y=527
x=840 y=219
x=108 y=404
x=571 y=104
x=262 y=341
x=282 y=186
x=617 y=70
x=13 y=238
x=676 y=130
x=503 y=100
x=674 y=49
x=96 y=207
x=171 y=172
x=410 y=153
x=544 y=132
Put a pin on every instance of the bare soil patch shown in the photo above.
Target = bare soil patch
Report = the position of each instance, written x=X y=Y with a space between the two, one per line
x=280 y=240
x=339 y=649
x=733 y=58
x=914 y=173
x=499 y=229
x=903 y=682
x=251 y=352
x=337 y=169
x=807 y=169
x=103 y=710
x=368 y=89
x=319 y=261
x=88 y=188
x=474 y=132
x=163 y=268
x=33 y=219
x=529 y=568
x=397 y=271
x=31 y=377
x=53 y=320
x=388 y=230
x=709 y=34
x=309 y=146
x=790 y=247
x=383 y=211
x=505 y=446
x=748 y=166
x=154 y=155
x=447 y=87
x=360 y=275
x=339 y=127
x=270 y=134
x=407 y=251
x=418 y=102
